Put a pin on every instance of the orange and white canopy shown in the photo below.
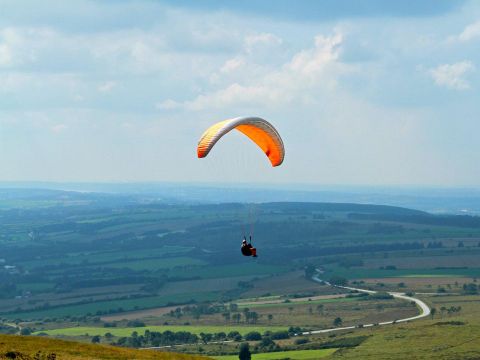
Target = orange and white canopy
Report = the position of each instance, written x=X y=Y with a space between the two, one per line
x=260 y=131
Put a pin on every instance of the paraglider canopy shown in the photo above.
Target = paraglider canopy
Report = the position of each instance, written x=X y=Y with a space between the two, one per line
x=260 y=131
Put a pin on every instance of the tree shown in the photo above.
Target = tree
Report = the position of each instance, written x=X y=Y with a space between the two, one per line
x=95 y=339
x=337 y=321
x=253 y=317
x=309 y=271
x=338 y=280
x=206 y=338
x=433 y=311
x=270 y=317
x=253 y=336
x=226 y=315
x=442 y=310
x=234 y=335
x=236 y=317
x=25 y=331
x=245 y=353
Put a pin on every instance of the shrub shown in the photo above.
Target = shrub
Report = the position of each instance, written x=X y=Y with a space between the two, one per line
x=301 y=341
x=253 y=336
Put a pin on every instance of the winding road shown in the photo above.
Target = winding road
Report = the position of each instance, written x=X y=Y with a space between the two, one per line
x=424 y=309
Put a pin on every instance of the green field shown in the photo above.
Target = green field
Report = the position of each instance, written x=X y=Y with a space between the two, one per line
x=280 y=355
x=232 y=270
x=126 y=305
x=82 y=330
x=155 y=264
x=362 y=273
x=293 y=303
x=107 y=257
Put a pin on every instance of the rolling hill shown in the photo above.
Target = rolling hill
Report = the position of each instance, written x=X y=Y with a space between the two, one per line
x=34 y=347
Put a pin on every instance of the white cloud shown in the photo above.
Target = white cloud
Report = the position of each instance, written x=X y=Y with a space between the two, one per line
x=232 y=65
x=263 y=39
x=452 y=75
x=293 y=81
x=168 y=104
x=106 y=86
x=5 y=55
x=57 y=129
x=470 y=32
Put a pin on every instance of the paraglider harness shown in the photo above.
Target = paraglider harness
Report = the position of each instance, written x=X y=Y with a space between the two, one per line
x=247 y=248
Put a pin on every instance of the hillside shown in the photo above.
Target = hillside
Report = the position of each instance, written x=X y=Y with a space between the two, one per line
x=33 y=347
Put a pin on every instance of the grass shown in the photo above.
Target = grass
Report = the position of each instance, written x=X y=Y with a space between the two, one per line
x=82 y=330
x=292 y=355
x=231 y=271
x=30 y=346
x=106 y=257
x=361 y=273
x=295 y=303
x=443 y=337
x=155 y=264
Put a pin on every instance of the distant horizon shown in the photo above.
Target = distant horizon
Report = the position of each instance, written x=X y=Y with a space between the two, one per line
x=253 y=185
x=439 y=200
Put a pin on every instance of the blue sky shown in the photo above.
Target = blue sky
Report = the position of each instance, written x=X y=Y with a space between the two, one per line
x=363 y=92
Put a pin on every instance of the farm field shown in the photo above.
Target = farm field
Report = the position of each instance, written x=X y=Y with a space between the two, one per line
x=293 y=355
x=81 y=330
x=103 y=273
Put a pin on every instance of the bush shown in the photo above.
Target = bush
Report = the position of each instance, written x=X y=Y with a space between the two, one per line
x=244 y=353
x=338 y=280
x=266 y=342
x=279 y=335
x=301 y=341
x=25 y=331
x=135 y=323
x=253 y=336
x=380 y=296
x=95 y=339
x=234 y=335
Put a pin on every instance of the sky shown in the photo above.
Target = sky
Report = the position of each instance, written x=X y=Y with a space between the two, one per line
x=362 y=92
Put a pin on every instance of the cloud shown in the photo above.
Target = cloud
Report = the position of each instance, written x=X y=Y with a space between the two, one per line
x=57 y=129
x=232 y=65
x=263 y=39
x=5 y=55
x=168 y=105
x=290 y=82
x=106 y=86
x=452 y=75
x=472 y=31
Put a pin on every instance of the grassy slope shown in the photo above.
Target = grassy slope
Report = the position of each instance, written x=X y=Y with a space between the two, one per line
x=66 y=350
x=292 y=355
x=418 y=341
x=445 y=337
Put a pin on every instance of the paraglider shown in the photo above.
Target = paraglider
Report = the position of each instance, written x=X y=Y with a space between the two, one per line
x=247 y=249
x=262 y=133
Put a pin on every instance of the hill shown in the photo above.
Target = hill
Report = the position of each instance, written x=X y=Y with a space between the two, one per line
x=33 y=347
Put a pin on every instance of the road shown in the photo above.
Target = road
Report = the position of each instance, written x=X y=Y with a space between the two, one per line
x=424 y=309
